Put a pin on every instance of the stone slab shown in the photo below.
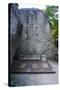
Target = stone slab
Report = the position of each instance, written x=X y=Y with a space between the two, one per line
x=31 y=67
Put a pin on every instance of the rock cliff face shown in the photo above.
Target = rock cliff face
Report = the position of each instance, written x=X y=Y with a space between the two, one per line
x=30 y=32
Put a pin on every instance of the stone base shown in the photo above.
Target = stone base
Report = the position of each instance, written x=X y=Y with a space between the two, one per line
x=30 y=57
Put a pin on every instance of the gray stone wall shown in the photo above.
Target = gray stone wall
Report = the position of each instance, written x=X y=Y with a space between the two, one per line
x=13 y=33
x=36 y=34
x=34 y=38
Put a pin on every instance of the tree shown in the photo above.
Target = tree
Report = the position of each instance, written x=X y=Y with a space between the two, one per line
x=52 y=12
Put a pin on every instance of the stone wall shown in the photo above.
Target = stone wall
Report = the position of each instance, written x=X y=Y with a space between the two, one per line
x=30 y=32
x=36 y=34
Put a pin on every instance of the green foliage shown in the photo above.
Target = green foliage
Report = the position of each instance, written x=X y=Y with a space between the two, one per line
x=52 y=12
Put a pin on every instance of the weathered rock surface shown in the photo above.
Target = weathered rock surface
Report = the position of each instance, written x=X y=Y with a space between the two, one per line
x=30 y=32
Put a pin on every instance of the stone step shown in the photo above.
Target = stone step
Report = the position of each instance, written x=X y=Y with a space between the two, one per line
x=29 y=57
x=34 y=57
x=44 y=57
